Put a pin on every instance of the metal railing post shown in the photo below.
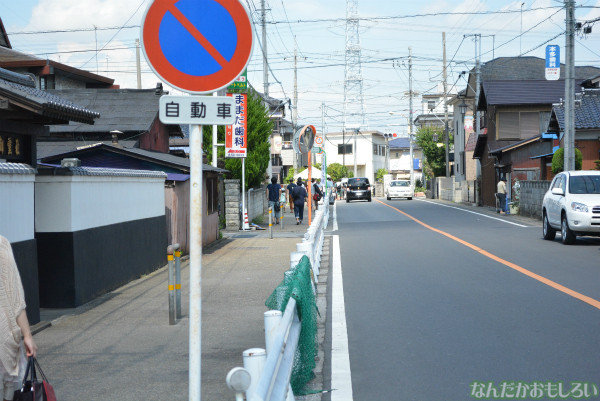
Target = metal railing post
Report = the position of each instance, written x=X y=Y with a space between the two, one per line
x=254 y=362
x=177 y=254
x=171 y=286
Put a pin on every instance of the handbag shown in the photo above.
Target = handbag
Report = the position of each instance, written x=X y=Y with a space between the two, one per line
x=33 y=389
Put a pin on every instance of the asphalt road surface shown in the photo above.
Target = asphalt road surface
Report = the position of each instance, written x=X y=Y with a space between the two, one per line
x=443 y=303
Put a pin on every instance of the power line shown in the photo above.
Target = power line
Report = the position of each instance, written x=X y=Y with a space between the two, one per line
x=395 y=17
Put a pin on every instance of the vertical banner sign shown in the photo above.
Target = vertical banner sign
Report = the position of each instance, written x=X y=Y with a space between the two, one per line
x=236 y=134
x=552 y=62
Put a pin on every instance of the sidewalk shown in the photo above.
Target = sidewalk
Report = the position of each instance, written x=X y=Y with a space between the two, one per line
x=121 y=346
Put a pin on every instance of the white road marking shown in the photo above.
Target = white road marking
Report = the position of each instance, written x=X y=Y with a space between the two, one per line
x=341 y=378
x=335 y=225
x=479 y=214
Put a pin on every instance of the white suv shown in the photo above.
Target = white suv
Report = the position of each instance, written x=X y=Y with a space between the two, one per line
x=572 y=205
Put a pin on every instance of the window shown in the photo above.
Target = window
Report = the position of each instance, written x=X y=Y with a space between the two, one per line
x=515 y=125
x=47 y=82
x=431 y=104
x=345 y=149
x=212 y=199
x=375 y=149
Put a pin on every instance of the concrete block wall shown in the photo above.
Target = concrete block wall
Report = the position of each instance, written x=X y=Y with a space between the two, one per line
x=232 y=204
x=532 y=195
x=257 y=203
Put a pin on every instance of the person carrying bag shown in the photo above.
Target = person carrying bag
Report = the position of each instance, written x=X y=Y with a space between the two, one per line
x=33 y=389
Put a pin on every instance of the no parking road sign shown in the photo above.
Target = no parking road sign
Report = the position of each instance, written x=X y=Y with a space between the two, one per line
x=197 y=46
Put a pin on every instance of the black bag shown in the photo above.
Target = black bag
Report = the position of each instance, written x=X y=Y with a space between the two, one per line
x=32 y=389
x=277 y=206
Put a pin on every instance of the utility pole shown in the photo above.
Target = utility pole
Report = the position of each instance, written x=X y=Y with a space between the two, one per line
x=295 y=106
x=137 y=62
x=569 y=139
x=410 y=118
x=446 y=140
x=354 y=150
x=264 y=49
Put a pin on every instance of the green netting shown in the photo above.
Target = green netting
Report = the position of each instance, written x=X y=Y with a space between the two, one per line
x=297 y=283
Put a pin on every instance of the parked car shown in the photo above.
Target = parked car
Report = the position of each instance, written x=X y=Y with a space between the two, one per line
x=399 y=189
x=572 y=206
x=358 y=188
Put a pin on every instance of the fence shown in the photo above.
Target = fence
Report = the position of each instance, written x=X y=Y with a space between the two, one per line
x=290 y=337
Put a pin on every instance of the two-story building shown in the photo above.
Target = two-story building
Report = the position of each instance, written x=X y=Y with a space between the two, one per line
x=362 y=151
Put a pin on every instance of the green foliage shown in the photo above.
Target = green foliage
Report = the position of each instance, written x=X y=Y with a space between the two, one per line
x=419 y=189
x=337 y=171
x=435 y=156
x=558 y=160
x=290 y=175
x=380 y=173
x=259 y=131
x=597 y=162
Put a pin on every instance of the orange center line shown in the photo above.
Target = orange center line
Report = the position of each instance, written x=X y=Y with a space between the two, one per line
x=198 y=36
x=591 y=301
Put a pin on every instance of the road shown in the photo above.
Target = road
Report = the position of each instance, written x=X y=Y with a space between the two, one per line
x=440 y=300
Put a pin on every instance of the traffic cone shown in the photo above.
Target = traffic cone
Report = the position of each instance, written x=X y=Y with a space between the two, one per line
x=246 y=224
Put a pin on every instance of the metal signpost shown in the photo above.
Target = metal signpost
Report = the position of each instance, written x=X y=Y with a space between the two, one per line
x=198 y=47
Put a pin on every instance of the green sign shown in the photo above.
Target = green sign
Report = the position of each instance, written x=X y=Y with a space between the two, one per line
x=316 y=149
x=240 y=84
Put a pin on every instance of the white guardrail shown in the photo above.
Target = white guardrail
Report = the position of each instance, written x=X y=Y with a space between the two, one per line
x=266 y=373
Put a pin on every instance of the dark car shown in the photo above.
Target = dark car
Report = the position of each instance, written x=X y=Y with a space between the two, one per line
x=358 y=188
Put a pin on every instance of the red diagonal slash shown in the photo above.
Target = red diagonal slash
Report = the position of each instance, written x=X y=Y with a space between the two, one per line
x=197 y=35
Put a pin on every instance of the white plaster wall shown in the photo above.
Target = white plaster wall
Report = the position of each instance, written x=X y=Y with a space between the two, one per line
x=17 y=207
x=74 y=203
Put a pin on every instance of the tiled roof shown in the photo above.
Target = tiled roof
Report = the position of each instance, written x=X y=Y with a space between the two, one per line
x=510 y=92
x=401 y=143
x=107 y=172
x=125 y=110
x=48 y=104
x=16 y=168
x=587 y=115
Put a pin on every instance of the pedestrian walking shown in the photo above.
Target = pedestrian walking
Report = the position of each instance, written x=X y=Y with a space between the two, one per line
x=317 y=194
x=273 y=194
x=282 y=199
x=300 y=195
x=501 y=194
x=15 y=333
x=290 y=191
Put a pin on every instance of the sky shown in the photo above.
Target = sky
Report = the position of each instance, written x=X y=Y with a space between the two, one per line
x=99 y=36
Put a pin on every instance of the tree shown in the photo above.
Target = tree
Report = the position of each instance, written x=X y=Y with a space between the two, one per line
x=259 y=128
x=428 y=139
x=379 y=174
x=337 y=171
x=558 y=160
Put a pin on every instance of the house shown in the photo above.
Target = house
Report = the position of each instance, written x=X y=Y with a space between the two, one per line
x=362 y=151
x=432 y=112
x=25 y=114
x=48 y=74
x=176 y=187
x=514 y=106
x=587 y=126
x=399 y=160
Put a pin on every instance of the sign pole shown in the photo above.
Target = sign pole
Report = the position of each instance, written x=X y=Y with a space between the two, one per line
x=195 y=332
x=243 y=192
x=309 y=185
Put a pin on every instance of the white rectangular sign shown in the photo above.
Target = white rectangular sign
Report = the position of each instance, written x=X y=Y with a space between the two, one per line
x=197 y=110
x=236 y=135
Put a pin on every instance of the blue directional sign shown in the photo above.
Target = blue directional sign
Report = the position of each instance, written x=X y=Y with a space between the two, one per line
x=552 y=62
